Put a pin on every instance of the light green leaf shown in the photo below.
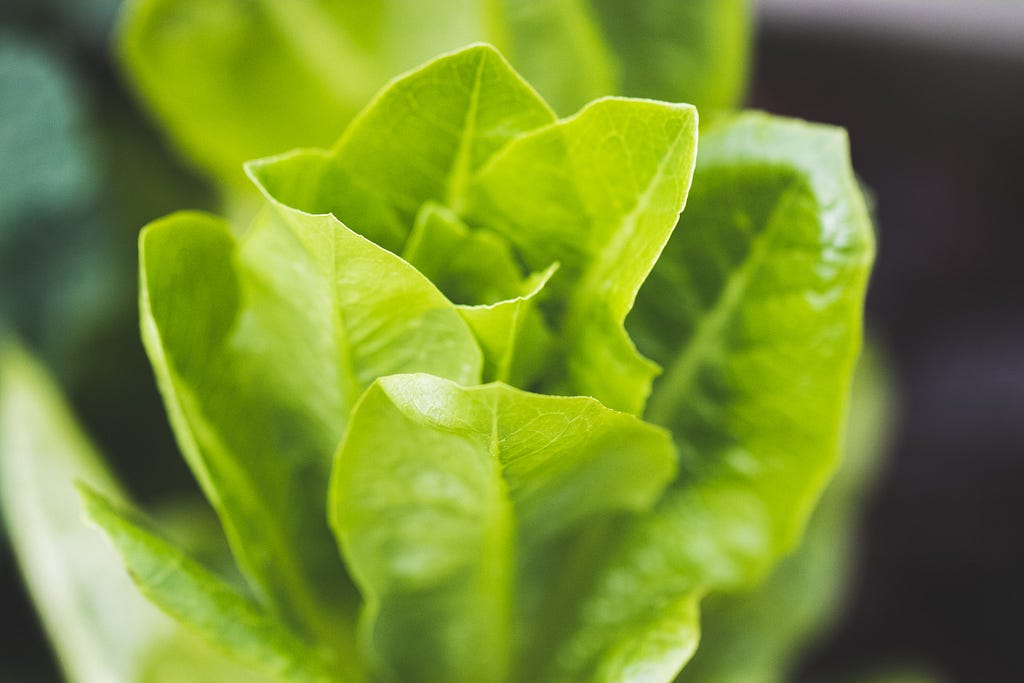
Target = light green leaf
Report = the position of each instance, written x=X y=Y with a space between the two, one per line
x=697 y=51
x=477 y=269
x=441 y=492
x=471 y=267
x=424 y=138
x=759 y=635
x=515 y=340
x=261 y=345
x=77 y=583
x=755 y=310
x=233 y=80
x=600 y=193
x=185 y=590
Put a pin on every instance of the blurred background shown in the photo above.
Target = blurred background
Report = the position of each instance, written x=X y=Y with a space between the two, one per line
x=932 y=93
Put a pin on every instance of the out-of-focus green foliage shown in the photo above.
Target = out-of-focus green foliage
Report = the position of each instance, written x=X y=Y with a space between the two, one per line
x=233 y=80
x=102 y=628
x=757 y=636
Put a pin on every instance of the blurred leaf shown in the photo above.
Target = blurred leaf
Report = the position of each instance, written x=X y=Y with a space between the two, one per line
x=757 y=636
x=226 y=619
x=440 y=491
x=46 y=162
x=695 y=51
x=559 y=46
x=97 y=621
x=233 y=80
x=99 y=625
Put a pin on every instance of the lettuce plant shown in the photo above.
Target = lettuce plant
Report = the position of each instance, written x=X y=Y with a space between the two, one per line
x=411 y=393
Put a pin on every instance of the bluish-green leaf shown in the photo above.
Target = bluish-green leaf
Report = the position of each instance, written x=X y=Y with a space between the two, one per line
x=440 y=493
x=600 y=193
x=185 y=590
x=755 y=311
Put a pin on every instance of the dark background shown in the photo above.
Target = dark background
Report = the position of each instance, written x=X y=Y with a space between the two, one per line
x=937 y=136
x=936 y=133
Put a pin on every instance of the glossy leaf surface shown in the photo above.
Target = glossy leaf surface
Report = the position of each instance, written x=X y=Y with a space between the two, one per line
x=600 y=193
x=760 y=634
x=754 y=310
x=261 y=345
x=440 y=492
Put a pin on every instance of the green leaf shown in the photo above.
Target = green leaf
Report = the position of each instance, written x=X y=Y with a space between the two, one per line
x=423 y=138
x=233 y=80
x=186 y=591
x=759 y=635
x=600 y=193
x=515 y=340
x=478 y=269
x=441 y=492
x=471 y=267
x=261 y=345
x=75 y=580
x=697 y=51
x=755 y=310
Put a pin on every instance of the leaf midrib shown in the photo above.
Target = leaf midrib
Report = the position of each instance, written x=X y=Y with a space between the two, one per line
x=682 y=372
x=458 y=176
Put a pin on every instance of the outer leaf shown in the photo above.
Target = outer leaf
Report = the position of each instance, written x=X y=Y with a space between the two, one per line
x=75 y=581
x=439 y=492
x=695 y=51
x=423 y=138
x=758 y=635
x=760 y=294
x=600 y=193
x=194 y=596
x=261 y=345
x=234 y=80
